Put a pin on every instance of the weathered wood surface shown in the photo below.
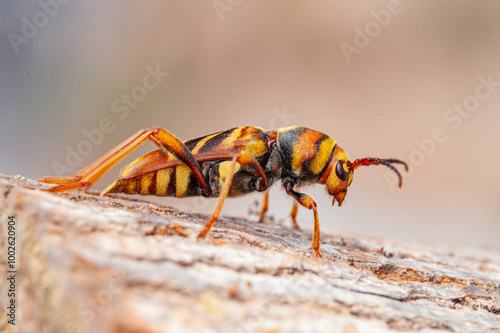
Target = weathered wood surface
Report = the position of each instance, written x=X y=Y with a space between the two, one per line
x=102 y=264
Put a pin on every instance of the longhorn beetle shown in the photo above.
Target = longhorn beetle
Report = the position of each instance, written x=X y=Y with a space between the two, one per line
x=229 y=163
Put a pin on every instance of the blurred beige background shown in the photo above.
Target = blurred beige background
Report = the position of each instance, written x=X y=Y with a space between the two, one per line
x=377 y=76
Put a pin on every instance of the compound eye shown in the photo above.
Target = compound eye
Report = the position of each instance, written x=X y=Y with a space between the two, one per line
x=342 y=170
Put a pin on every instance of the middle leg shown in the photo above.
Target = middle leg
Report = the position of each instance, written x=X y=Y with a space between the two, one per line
x=264 y=207
x=241 y=158
x=293 y=214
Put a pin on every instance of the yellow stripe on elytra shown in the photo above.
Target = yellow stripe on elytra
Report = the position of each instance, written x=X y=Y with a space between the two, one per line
x=232 y=137
x=202 y=142
x=253 y=146
x=181 y=180
x=224 y=170
x=145 y=182
x=257 y=148
x=162 y=180
x=324 y=152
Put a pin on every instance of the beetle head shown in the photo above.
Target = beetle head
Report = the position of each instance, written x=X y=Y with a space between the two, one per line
x=337 y=176
x=339 y=173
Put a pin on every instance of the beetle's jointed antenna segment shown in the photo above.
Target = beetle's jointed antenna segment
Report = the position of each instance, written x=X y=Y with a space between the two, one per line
x=376 y=161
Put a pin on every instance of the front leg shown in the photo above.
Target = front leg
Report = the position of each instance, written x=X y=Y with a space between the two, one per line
x=307 y=201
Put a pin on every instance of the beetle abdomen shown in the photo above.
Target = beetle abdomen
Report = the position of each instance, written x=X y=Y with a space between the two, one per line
x=305 y=152
x=178 y=181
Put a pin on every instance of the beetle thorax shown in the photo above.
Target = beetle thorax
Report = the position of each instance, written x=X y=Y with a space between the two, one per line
x=305 y=152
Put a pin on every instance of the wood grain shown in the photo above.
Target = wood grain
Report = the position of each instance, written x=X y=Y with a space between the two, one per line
x=111 y=264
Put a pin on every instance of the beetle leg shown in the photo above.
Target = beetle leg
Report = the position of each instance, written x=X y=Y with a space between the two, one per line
x=94 y=171
x=241 y=158
x=91 y=173
x=307 y=201
x=60 y=180
x=225 y=190
x=263 y=210
x=293 y=214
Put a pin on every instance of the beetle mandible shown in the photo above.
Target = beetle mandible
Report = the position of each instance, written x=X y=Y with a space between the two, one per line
x=230 y=163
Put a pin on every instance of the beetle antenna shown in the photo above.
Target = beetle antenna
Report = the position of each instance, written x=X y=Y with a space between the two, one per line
x=376 y=161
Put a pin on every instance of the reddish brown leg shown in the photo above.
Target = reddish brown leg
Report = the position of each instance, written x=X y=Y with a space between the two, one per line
x=59 y=180
x=94 y=171
x=241 y=158
x=293 y=214
x=308 y=202
x=265 y=202
x=225 y=190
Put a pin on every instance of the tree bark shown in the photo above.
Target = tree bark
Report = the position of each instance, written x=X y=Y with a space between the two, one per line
x=86 y=263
